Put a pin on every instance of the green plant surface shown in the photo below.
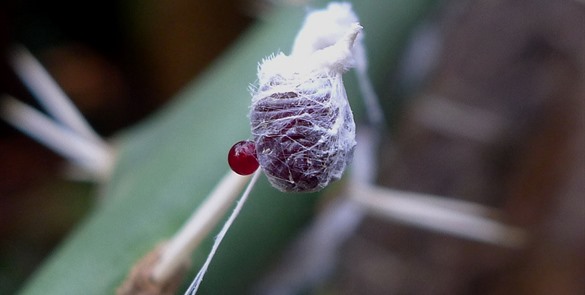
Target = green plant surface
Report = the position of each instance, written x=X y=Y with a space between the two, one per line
x=170 y=162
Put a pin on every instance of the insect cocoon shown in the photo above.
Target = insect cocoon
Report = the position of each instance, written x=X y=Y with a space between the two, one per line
x=301 y=121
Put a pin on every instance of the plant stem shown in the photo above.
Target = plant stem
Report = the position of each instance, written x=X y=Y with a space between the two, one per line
x=49 y=94
x=226 y=226
x=179 y=248
x=93 y=157
x=457 y=218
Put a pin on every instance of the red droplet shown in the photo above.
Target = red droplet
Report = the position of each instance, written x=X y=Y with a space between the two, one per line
x=242 y=157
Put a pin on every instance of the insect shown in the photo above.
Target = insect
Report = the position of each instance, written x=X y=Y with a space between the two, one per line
x=302 y=125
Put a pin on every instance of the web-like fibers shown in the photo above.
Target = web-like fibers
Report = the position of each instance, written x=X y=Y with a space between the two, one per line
x=303 y=129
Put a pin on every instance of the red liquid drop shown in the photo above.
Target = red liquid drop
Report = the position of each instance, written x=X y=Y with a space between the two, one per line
x=242 y=157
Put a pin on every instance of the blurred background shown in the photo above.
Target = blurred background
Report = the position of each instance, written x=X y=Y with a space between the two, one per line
x=118 y=61
x=487 y=104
